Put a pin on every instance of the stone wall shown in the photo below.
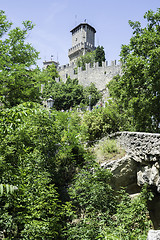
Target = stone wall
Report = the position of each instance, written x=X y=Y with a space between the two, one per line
x=144 y=149
x=141 y=146
x=153 y=235
x=140 y=166
x=100 y=76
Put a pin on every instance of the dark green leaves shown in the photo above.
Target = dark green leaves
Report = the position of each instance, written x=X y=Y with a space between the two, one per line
x=4 y=23
x=137 y=90
x=17 y=82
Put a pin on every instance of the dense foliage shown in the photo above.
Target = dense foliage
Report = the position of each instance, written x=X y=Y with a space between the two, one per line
x=137 y=90
x=39 y=155
x=100 y=213
x=17 y=80
x=87 y=58
x=97 y=55
x=69 y=94
x=100 y=55
x=101 y=121
x=50 y=185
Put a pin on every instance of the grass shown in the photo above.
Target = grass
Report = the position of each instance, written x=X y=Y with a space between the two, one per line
x=108 y=150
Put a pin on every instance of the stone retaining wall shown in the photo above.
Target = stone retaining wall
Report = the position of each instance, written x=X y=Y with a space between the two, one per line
x=143 y=161
x=140 y=145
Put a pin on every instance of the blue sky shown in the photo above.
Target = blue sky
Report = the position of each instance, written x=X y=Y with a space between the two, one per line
x=55 y=18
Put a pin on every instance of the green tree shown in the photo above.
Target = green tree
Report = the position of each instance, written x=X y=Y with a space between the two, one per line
x=101 y=213
x=92 y=92
x=93 y=201
x=65 y=95
x=97 y=55
x=100 y=122
x=100 y=55
x=70 y=94
x=50 y=73
x=40 y=154
x=17 y=79
x=87 y=58
x=137 y=90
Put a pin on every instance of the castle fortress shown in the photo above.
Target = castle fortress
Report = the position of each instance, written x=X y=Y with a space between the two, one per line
x=83 y=41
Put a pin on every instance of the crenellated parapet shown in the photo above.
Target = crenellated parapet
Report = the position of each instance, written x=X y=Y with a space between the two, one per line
x=99 y=75
x=88 y=65
x=80 y=47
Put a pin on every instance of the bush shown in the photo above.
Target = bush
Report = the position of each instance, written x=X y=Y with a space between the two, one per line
x=107 y=149
x=101 y=213
x=100 y=122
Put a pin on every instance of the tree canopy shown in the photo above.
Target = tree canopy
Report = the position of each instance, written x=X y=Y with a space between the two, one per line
x=100 y=55
x=137 y=90
x=17 y=79
x=67 y=94
x=97 y=55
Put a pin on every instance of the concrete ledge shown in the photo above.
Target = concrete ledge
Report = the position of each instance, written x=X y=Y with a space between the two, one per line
x=153 y=235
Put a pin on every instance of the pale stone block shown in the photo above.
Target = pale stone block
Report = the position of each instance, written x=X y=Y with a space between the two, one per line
x=153 y=235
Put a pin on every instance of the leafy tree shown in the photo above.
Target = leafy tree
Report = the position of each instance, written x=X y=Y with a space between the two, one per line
x=99 y=122
x=40 y=154
x=131 y=220
x=99 y=55
x=94 y=94
x=100 y=213
x=89 y=57
x=49 y=74
x=65 y=95
x=70 y=94
x=17 y=80
x=93 y=201
x=137 y=90
x=24 y=132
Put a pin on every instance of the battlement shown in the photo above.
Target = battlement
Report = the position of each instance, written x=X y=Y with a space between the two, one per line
x=99 y=75
x=80 y=46
x=88 y=65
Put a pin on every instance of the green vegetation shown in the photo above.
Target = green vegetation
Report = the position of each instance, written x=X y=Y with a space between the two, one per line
x=69 y=94
x=99 y=122
x=137 y=91
x=100 y=55
x=51 y=186
x=107 y=150
x=97 y=55
x=99 y=213
x=17 y=80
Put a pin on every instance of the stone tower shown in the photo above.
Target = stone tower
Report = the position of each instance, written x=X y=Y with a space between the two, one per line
x=83 y=41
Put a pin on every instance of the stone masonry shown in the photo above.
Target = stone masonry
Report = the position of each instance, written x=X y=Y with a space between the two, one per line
x=143 y=147
x=140 y=166
x=83 y=41
x=144 y=150
x=100 y=76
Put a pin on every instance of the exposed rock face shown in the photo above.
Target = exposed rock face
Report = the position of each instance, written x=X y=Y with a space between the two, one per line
x=144 y=149
x=153 y=235
x=150 y=175
x=124 y=172
x=140 y=166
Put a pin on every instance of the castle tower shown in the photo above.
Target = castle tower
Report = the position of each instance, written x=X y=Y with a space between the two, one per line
x=83 y=41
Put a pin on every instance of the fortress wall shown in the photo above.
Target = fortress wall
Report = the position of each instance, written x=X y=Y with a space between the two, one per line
x=100 y=76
